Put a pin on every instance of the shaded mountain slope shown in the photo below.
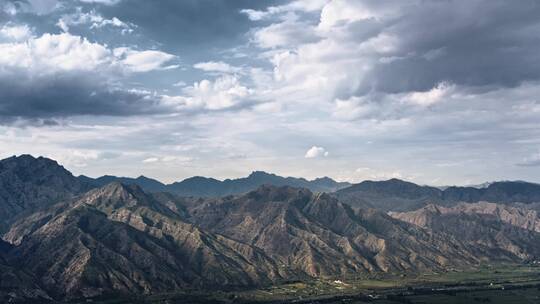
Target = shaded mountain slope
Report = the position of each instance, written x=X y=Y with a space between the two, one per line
x=393 y=194
x=28 y=183
x=500 y=231
x=17 y=286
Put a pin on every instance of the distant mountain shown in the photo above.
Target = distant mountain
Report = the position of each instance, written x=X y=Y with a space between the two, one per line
x=496 y=230
x=393 y=194
x=209 y=187
x=148 y=184
x=27 y=183
x=398 y=195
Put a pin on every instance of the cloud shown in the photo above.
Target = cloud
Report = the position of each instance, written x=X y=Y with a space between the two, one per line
x=38 y=7
x=144 y=61
x=167 y=159
x=291 y=7
x=105 y=2
x=150 y=160
x=217 y=66
x=15 y=33
x=179 y=84
x=286 y=33
x=315 y=152
x=49 y=54
x=432 y=96
x=64 y=75
x=360 y=48
x=366 y=173
x=225 y=92
x=93 y=20
x=532 y=161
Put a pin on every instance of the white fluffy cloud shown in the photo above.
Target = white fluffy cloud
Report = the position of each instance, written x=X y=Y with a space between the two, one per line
x=225 y=92
x=50 y=53
x=315 y=152
x=217 y=66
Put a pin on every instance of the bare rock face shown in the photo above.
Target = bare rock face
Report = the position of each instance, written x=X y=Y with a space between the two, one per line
x=492 y=230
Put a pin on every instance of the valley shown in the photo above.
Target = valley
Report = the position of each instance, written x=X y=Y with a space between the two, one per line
x=488 y=284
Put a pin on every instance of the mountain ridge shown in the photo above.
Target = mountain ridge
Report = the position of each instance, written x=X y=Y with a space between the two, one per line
x=398 y=195
x=201 y=186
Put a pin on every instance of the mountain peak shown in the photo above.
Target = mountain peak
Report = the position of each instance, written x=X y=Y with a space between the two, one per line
x=259 y=174
x=117 y=194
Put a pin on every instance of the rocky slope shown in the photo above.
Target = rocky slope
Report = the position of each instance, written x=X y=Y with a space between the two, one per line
x=117 y=239
x=28 y=183
x=497 y=230
x=317 y=235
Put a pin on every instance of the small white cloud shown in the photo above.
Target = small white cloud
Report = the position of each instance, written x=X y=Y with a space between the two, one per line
x=432 y=96
x=180 y=84
x=316 y=152
x=144 y=61
x=151 y=160
x=217 y=66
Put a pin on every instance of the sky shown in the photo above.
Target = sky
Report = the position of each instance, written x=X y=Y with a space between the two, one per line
x=436 y=92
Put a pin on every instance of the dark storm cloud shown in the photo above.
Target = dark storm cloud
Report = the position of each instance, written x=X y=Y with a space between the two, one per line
x=470 y=43
x=68 y=95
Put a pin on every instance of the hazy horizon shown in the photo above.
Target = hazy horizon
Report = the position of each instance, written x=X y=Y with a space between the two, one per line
x=433 y=92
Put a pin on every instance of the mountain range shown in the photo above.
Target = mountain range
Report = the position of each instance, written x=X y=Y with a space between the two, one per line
x=209 y=187
x=67 y=237
x=398 y=195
